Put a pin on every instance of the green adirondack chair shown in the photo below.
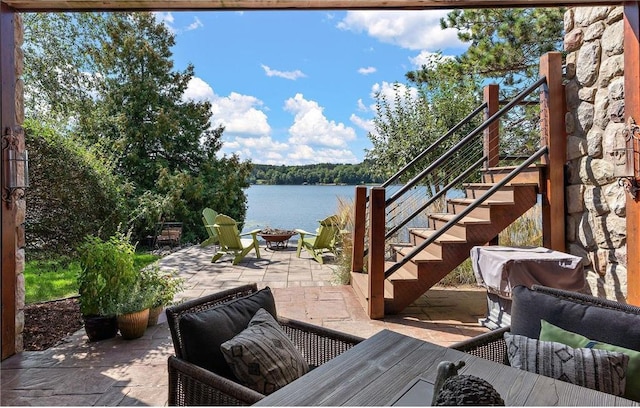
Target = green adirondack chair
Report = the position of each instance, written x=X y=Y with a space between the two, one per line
x=323 y=240
x=230 y=239
x=209 y=218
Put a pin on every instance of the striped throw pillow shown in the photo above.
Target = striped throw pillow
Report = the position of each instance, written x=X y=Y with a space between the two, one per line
x=601 y=370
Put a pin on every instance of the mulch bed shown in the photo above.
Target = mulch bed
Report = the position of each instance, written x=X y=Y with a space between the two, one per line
x=47 y=323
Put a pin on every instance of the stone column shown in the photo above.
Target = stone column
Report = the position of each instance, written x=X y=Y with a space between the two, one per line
x=596 y=226
x=20 y=203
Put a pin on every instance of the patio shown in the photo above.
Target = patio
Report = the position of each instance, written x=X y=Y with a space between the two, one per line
x=119 y=372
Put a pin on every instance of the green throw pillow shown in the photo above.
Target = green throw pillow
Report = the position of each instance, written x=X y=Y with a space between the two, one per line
x=549 y=332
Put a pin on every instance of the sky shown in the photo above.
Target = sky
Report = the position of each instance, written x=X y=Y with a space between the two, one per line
x=297 y=87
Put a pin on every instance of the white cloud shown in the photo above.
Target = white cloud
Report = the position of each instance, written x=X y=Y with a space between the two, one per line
x=292 y=75
x=414 y=30
x=429 y=59
x=390 y=90
x=240 y=114
x=361 y=106
x=195 y=25
x=168 y=20
x=366 y=124
x=198 y=90
x=304 y=154
x=312 y=127
x=367 y=70
x=312 y=137
x=263 y=143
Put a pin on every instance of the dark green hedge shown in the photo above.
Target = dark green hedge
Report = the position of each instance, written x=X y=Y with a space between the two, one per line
x=71 y=194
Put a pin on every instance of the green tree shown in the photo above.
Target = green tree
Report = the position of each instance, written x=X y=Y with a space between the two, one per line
x=506 y=44
x=141 y=118
x=158 y=140
x=419 y=114
x=57 y=68
x=108 y=81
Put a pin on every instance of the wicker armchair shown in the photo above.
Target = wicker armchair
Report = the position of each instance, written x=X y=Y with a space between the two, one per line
x=491 y=346
x=190 y=384
x=600 y=319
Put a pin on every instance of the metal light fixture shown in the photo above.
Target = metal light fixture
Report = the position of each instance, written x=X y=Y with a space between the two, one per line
x=16 y=168
x=627 y=159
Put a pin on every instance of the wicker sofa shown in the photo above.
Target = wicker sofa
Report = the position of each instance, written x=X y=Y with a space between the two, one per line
x=595 y=318
x=191 y=384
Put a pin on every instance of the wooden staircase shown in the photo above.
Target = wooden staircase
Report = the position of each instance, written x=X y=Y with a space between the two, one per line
x=479 y=227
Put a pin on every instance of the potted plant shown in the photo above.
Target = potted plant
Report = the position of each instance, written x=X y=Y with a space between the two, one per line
x=163 y=286
x=132 y=309
x=106 y=267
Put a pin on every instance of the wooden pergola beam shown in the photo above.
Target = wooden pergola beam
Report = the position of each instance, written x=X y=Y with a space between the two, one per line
x=114 y=5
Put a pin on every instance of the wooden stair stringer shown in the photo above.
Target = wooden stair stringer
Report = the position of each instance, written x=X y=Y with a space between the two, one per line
x=455 y=251
x=360 y=284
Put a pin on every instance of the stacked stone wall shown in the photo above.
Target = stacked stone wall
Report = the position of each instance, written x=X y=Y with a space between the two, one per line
x=20 y=207
x=596 y=224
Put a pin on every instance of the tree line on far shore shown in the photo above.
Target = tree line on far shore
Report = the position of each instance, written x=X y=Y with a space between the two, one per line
x=323 y=173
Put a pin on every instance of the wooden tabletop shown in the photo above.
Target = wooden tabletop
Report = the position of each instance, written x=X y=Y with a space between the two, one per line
x=376 y=371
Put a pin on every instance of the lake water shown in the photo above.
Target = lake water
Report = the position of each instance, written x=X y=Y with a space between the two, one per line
x=291 y=207
x=300 y=206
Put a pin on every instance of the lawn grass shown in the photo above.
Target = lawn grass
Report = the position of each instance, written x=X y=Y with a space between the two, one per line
x=56 y=278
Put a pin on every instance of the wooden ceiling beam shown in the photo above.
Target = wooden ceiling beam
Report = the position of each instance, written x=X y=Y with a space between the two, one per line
x=138 y=5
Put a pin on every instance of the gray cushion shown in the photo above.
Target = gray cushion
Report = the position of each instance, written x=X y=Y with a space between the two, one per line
x=605 y=321
x=262 y=357
x=203 y=332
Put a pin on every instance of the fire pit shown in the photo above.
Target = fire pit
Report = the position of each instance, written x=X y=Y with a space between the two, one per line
x=276 y=238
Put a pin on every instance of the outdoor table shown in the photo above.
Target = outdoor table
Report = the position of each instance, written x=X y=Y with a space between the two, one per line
x=393 y=369
x=499 y=269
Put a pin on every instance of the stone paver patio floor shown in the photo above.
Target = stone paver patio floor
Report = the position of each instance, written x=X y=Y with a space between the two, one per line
x=119 y=372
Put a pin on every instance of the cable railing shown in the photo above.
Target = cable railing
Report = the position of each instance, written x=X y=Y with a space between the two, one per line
x=434 y=146
x=444 y=173
x=454 y=220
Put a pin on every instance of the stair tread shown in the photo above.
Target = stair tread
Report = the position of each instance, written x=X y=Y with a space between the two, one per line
x=532 y=166
x=427 y=232
x=464 y=220
x=421 y=257
x=510 y=184
x=485 y=203
x=400 y=274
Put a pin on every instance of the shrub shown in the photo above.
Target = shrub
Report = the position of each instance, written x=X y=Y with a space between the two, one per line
x=163 y=285
x=107 y=271
x=72 y=194
x=342 y=273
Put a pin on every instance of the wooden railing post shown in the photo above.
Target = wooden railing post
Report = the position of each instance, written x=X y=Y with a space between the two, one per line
x=359 y=228
x=632 y=110
x=376 y=252
x=9 y=223
x=491 y=137
x=553 y=135
x=491 y=142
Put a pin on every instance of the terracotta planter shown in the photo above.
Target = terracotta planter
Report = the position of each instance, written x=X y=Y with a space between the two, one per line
x=100 y=327
x=154 y=313
x=133 y=325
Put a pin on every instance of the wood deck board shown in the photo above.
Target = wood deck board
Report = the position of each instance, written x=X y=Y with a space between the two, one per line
x=151 y=5
x=376 y=370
